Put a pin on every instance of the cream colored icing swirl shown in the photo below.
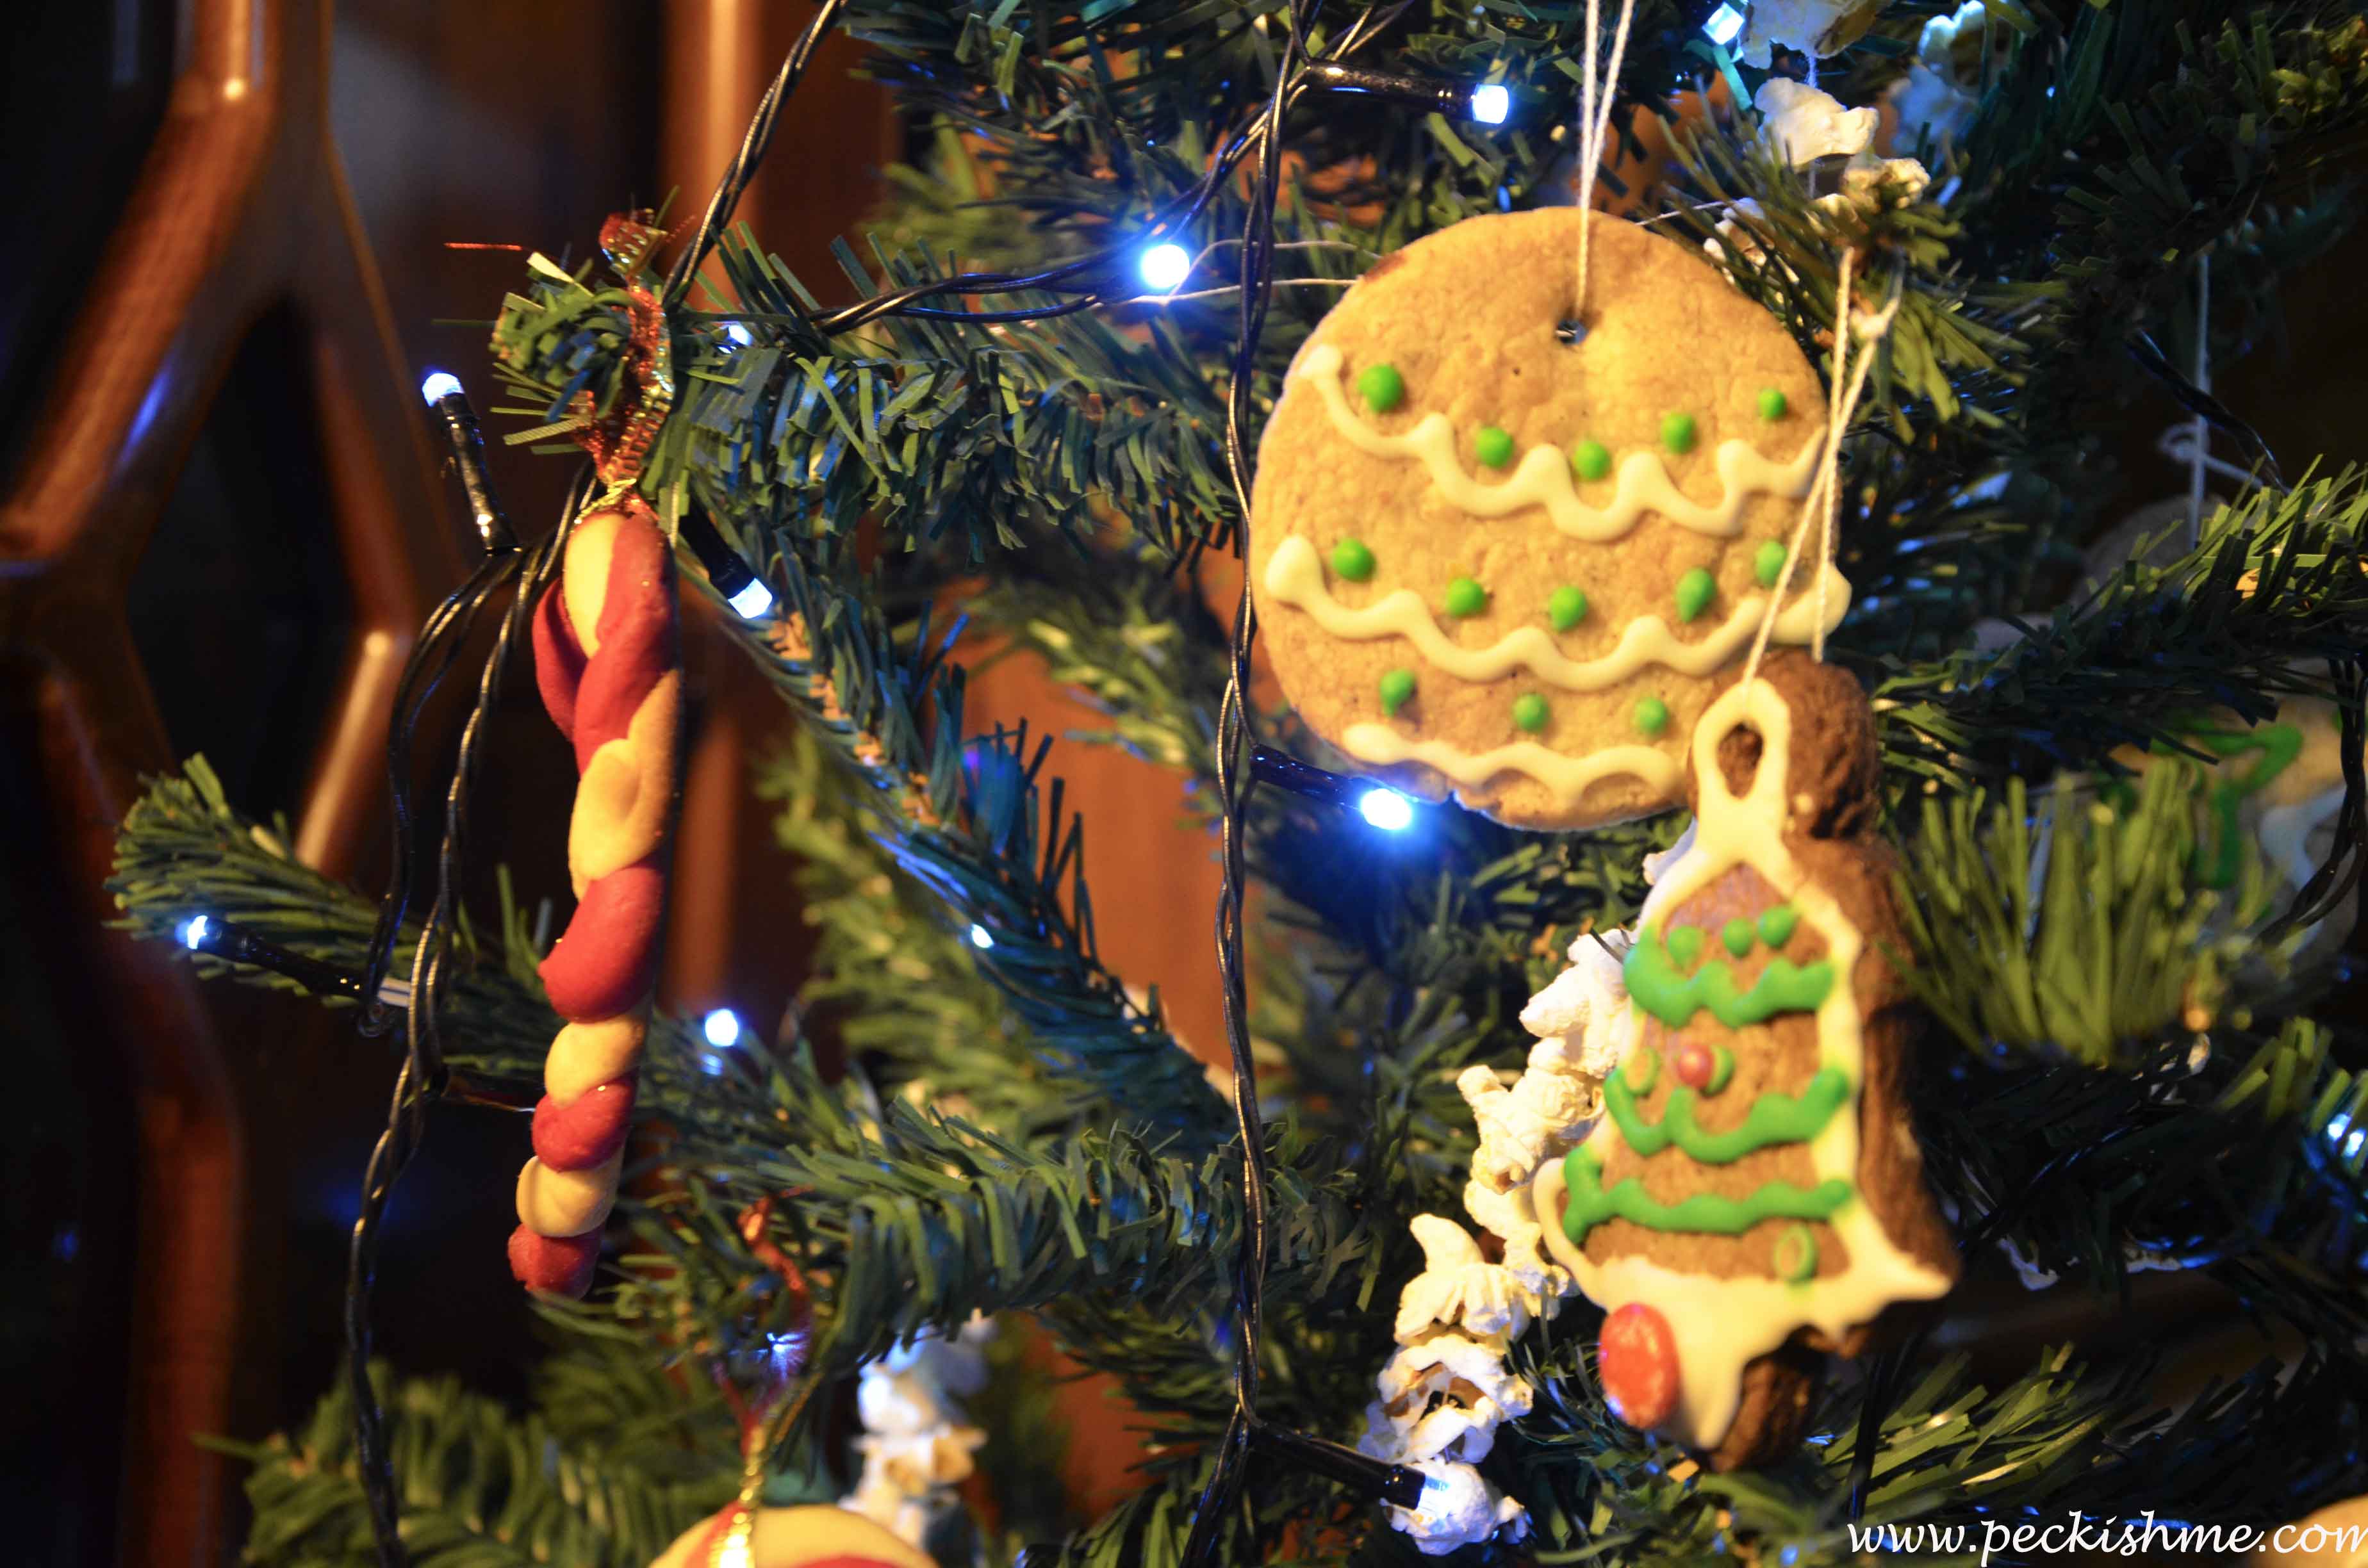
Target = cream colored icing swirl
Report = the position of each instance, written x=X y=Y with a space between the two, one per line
x=1566 y=776
x=1294 y=575
x=1543 y=477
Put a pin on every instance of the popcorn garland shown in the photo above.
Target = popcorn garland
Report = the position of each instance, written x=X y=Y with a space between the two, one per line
x=1446 y=1391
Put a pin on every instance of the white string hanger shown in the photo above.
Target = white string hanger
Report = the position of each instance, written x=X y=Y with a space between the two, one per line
x=1596 y=97
x=1822 y=501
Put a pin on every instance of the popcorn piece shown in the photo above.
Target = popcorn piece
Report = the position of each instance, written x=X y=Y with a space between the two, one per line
x=1459 y=1288
x=1580 y=1017
x=1804 y=124
x=1543 y=1114
x=1458 y=1506
x=1512 y=1218
x=1944 y=84
x=1813 y=26
x=1447 y=1394
x=917 y=1445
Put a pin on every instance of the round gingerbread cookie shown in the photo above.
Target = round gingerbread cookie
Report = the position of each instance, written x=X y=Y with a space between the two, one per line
x=1493 y=562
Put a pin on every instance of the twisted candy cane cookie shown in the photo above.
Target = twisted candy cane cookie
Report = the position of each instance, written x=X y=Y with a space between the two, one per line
x=608 y=666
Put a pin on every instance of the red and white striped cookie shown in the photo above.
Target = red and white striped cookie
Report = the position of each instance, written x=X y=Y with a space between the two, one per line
x=608 y=665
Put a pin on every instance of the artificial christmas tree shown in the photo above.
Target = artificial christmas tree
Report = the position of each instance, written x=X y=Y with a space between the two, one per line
x=2087 y=997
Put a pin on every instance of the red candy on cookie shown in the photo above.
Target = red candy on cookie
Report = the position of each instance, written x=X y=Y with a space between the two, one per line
x=1692 y=1063
x=1637 y=1359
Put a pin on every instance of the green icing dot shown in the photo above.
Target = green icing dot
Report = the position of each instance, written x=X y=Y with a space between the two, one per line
x=1493 y=445
x=1796 y=1254
x=1382 y=387
x=1641 y=1070
x=1566 y=609
x=1695 y=590
x=1652 y=715
x=1592 y=460
x=1678 y=432
x=1397 y=690
x=1776 y=924
x=1768 y=563
x=1530 y=711
x=1465 y=596
x=1771 y=403
x=1352 y=560
x=1738 y=936
x=1657 y=982
x=1722 y=1068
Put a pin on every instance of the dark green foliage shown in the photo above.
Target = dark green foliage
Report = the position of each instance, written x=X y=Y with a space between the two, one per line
x=486 y=1489
x=2127 y=1072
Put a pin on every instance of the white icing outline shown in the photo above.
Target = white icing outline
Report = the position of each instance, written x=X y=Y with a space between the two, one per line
x=1294 y=575
x=1720 y=1324
x=1544 y=478
x=1567 y=777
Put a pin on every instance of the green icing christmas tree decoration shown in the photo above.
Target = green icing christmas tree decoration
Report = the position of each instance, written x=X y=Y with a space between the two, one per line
x=1768 y=563
x=1722 y=1068
x=2220 y=855
x=1530 y=713
x=1566 y=607
x=1382 y=387
x=1397 y=690
x=1795 y=1257
x=1772 y=1119
x=1678 y=432
x=1776 y=924
x=1493 y=445
x=1352 y=560
x=1641 y=1070
x=1695 y=590
x=1773 y=403
x=1706 y=1213
x=1651 y=715
x=1657 y=982
x=1591 y=459
x=1738 y=934
x=1466 y=598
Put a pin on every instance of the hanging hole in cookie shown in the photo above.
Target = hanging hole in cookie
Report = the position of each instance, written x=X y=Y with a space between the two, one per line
x=1739 y=758
x=1571 y=331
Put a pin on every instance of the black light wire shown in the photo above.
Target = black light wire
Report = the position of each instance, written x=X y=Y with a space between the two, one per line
x=1233 y=788
x=753 y=146
x=421 y=1075
x=1236 y=779
x=441 y=640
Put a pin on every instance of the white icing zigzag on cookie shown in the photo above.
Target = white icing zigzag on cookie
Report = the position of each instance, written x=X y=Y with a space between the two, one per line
x=1543 y=477
x=1294 y=575
x=1567 y=777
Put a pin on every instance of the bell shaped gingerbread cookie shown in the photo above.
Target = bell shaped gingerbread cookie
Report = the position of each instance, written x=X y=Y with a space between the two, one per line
x=1754 y=1194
